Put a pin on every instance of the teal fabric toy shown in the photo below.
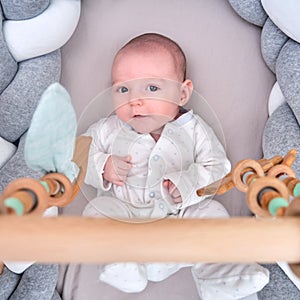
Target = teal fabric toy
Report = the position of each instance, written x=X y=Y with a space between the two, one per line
x=50 y=141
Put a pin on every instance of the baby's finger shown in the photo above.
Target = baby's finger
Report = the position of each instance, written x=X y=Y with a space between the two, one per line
x=119 y=179
x=177 y=200
x=122 y=172
x=121 y=164
x=175 y=193
x=126 y=158
x=118 y=182
x=166 y=183
x=124 y=165
x=172 y=187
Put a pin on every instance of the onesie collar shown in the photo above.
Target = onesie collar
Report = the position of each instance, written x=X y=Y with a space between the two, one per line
x=184 y=118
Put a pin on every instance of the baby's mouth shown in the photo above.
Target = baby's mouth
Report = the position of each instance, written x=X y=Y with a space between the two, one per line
x=139 y=116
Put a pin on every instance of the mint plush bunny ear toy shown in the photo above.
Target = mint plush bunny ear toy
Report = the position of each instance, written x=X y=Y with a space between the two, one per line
x=280 y=47
x=30 y=61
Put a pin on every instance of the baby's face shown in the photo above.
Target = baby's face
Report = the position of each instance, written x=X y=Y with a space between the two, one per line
x=146 y=90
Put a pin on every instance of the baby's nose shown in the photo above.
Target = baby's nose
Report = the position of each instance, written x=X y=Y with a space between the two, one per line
x=136 y=101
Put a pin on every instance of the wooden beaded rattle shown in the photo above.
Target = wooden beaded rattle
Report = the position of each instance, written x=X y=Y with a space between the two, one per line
x=31 y=196
x=27 y=195
x=269 y=196
x=287 y=174
x=266 y=194
x=240 y=175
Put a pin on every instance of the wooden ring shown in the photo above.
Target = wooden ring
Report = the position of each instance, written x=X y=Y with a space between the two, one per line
x=257 y=187
x=64 y=196
x=279 y=170
x=27 y=184
x=242 y=167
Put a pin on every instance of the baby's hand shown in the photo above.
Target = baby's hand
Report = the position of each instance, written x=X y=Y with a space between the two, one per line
x=173 y=191
x=116 y=169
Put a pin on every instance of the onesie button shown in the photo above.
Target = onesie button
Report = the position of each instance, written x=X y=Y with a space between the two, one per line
x=152 y=194
x=156 y=157
x=170 y=131
x=161 y=206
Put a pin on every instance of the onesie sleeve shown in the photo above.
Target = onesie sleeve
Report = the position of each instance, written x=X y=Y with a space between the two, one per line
x=210 y=164
x=97 y=157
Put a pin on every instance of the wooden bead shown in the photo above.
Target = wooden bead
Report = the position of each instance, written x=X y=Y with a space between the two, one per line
x=293 y=210
x=280 y=212
x=277 y=204
x=63 y=196
x=250 y=178
x=257 y=188
x=52 y=185
x=293 y=186
x=267 y=197
x=25 y=199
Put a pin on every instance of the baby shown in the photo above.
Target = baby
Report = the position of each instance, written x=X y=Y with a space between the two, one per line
x=148 y=159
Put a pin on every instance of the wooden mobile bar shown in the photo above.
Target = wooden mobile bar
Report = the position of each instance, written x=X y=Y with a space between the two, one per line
x=90 y=240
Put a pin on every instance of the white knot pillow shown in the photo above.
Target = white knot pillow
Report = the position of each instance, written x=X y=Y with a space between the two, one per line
x=285 y=15
x=44 y=33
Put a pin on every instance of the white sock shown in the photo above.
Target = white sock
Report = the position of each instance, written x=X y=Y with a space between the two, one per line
x=160 y=271
x=127 y=277
x=229 y=281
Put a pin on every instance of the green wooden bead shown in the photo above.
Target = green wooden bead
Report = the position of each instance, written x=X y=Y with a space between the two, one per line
x=296 y=190
x=46 y=186
x=15 y=204
x=276 y=203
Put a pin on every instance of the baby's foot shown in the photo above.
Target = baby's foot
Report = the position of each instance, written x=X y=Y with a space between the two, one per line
x=229 y=281
x=127 y=277
x=161 y=271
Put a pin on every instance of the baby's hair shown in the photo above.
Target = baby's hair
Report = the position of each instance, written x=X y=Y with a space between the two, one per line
x=155 y=41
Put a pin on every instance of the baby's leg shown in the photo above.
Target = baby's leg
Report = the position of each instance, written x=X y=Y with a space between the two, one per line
x=224 y=281
x=229 y=281
x=127 y=277
x=109 y=207
x=161 y=271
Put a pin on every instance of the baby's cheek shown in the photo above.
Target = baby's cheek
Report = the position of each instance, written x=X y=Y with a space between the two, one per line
x=122 y=112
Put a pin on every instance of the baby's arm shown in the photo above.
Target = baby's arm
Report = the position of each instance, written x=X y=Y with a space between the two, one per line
x=103 y=168
x=210 y=164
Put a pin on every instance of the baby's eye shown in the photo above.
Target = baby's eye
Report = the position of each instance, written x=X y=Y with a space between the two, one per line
x=122 y=89
x=152 y=88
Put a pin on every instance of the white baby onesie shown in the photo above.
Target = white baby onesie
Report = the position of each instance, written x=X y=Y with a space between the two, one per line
x=189 y=154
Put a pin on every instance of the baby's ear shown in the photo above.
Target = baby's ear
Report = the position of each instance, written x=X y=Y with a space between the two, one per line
x=186 y=91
